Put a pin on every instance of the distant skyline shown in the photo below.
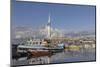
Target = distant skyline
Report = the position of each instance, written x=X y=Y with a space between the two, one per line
x=64 y=17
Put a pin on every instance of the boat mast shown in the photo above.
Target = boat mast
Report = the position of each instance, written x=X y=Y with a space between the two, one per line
x=49 y=27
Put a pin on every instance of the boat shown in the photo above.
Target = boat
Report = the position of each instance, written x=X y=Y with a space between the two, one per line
x=41 y=47
x=37 y=50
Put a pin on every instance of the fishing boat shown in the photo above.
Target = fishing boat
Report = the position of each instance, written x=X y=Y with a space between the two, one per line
x=41 y=47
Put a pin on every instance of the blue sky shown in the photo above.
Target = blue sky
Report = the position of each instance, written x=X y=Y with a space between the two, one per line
x=66 y=17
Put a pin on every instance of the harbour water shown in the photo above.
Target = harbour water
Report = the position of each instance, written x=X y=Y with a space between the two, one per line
x=61 y=57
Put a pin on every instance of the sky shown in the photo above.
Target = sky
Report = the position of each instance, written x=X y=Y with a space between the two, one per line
x=64 y=17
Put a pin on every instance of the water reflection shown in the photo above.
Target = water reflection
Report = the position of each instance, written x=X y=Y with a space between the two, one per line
x=65 y=56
